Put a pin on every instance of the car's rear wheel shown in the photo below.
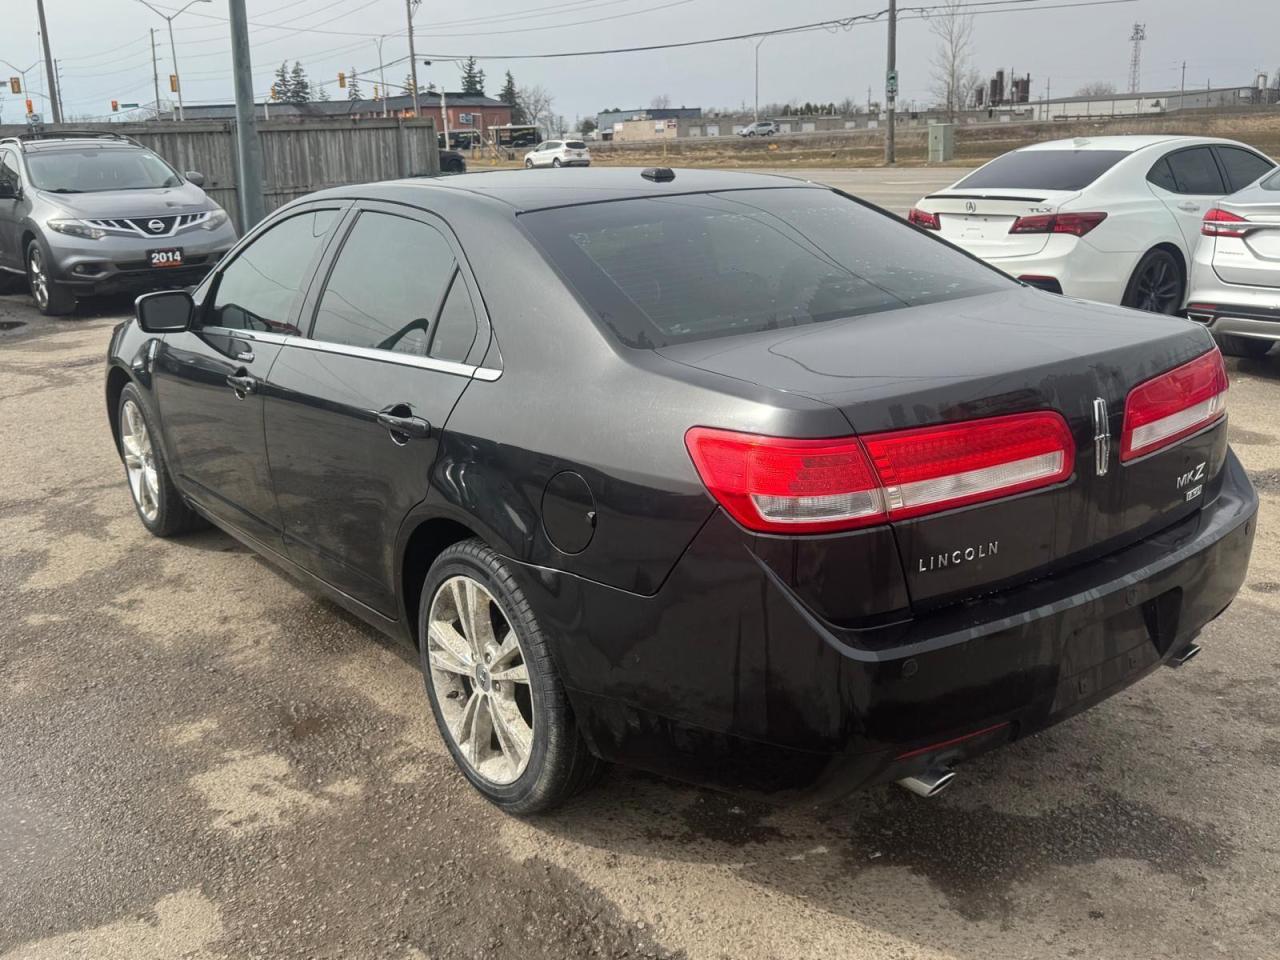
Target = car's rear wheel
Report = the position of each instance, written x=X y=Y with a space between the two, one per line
x=1247 y=347
x=1156 y=285
x=159 y=504
x=501 y=709
x=52 y=298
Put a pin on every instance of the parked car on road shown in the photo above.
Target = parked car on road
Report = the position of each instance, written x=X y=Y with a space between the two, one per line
x=758 y=489
x=451 y=161
x=1235 y=280
x=1113 y=219
x=95 y=214
x=761 y=128
x=559 y=153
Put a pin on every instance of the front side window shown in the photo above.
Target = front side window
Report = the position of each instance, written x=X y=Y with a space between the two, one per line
x=1195 y=172
x=658 y=271
x=1043 y=170
x=261 y=287
x=387 y=288
x=9 y=168
x=98 y=169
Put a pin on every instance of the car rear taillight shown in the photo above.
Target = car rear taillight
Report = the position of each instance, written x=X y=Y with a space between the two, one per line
x=1076 y=224
x=783 y=485
x=1216 y=224
x=923 y=219
x=1174 y=405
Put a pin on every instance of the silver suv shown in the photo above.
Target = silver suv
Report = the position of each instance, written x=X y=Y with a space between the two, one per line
x=83 y=215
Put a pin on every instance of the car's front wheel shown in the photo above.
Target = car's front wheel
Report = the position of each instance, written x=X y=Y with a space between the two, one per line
x=495 y=693
x=159 y=504
x=528 y=163
x=52 y=298
x=1246 y=347
x=1156 y=285
x=555 y=161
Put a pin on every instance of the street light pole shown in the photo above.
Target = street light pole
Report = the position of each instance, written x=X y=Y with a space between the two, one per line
x=48 y=65
x=253 y=205
x=173 y=47
x=891 y=83
x=409 y=7
x=155 y=70
x=756 y=112
x=382 y=75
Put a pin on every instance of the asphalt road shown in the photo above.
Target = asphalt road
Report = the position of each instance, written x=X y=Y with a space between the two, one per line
x=200 y=759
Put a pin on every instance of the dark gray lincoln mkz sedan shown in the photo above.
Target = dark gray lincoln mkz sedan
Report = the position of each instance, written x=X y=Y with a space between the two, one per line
x=731 y=477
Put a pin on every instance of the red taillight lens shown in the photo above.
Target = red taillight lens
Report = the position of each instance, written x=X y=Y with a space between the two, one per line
x=937 y=468
x=1174 y=405
x=1076 y=224
x=783 y=485
x=1216 y=221
x=923 y=219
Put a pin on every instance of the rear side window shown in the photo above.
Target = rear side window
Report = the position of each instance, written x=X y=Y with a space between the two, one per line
x=260 y=287
x=1272 y=182
x=387 y=287
x=658 y=271
x=1242 y=167
x=1043 y=170
x=1195 y=172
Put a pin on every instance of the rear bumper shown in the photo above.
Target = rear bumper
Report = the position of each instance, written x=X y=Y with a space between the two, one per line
x=1079 y=269
x=724 y=678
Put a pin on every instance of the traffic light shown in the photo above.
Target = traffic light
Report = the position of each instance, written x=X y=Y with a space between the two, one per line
x=30 y=107
x=15 y=84
x=375 y=91
x=342 y=80
x=115 y=106
x=273 y=92
x=173 y=82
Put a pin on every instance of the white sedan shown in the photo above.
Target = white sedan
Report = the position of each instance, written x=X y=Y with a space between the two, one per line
x=559 y=153
x=1115 y=219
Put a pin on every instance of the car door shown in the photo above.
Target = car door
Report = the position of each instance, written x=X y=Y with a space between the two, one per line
x=1188 y=184
x=10 y=255
x=209 y=379
x=354 y=411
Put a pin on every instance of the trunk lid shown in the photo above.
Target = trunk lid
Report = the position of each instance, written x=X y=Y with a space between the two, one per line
x=1003 y=353
x=1253 y=259
x=979 y=220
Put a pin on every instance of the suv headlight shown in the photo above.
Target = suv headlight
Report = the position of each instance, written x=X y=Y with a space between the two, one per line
x=216 y=219
x=75 y=228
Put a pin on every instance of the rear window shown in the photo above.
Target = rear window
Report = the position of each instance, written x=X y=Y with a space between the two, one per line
x=1272 y=182
x=659 y=271
x=575 y=145
x=1044 y=170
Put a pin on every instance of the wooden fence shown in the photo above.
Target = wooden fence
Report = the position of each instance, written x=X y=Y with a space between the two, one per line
x=297 y=157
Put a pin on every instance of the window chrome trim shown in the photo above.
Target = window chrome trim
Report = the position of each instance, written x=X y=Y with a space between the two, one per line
x=259 y=336
x=403 y=359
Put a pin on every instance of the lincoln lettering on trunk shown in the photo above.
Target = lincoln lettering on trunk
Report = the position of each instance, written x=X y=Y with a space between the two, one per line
x=954 y=558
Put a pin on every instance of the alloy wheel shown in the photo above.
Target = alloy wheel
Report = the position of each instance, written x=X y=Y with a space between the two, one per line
x=1159 y=287
x=38 y=277
x=139 y=461
x=480 y=680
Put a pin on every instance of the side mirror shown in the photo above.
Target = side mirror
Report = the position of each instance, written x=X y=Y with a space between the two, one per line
x=9 y=190
x=195 y=176
x=164 y=311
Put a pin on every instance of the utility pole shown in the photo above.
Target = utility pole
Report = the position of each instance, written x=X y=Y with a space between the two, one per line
x=48 y=65
x=155 y=70
x=1182 y=91
x=409 y=7
x=756 y=113
x=57 y=70
x=173 y=47
x=382 y=76
x=891 y=83
x=253 y=206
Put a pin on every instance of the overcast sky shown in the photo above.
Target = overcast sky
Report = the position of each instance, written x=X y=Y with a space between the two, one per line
x=104 y=51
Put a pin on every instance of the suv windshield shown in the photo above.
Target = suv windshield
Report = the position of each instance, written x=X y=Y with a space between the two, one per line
x=658 y=271
x=1044 y=169
x=95 y=169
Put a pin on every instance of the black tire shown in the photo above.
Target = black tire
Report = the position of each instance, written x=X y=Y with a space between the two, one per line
x=528 y=164
x=1246 y=347
x=555 y=161
x=559 y=763
x=52 y=299
x=172 y=515
x=1158 y=283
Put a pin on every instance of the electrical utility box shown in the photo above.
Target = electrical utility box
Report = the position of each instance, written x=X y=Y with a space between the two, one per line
x=942 y=142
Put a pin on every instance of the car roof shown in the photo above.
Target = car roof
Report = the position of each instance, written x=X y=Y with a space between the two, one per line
x=526 y=190
x=1130 y=143
x=45 y=144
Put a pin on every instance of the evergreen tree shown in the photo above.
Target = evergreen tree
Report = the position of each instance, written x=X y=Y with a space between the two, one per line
x=280 y=88
x=322 y=93
x=473 y=78
x=511 y=97
x=299 y=85
x=407 y=86
x=353 y=86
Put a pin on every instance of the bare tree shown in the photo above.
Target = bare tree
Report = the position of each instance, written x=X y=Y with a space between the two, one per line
x=952 y=66
x=535 y=104
x=1099 y=88
x=660 y=102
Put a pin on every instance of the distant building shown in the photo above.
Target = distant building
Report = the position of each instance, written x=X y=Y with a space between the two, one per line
x=1141 y=104
x=607 y=120
x=466 y=111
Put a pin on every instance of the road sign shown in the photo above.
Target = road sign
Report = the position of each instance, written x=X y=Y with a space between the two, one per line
x=891 y=83
x=128 y=106
x=468 y=118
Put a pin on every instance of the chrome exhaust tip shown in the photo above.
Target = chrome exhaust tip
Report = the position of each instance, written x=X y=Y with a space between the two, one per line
x=1185 y=655
x=928 y=784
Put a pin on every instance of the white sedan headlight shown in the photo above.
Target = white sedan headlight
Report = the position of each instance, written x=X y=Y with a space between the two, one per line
x=75 y=228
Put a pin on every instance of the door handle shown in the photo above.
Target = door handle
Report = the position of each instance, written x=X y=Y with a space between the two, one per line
x=410 y=428
x=242 y=384
x=1188 y=206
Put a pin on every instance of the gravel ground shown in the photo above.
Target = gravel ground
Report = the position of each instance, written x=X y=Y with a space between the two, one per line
x=200 y=759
